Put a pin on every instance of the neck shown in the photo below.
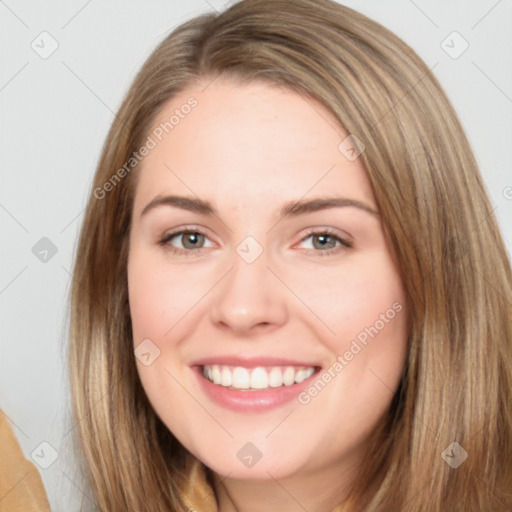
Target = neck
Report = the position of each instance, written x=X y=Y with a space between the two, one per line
x=322 y=491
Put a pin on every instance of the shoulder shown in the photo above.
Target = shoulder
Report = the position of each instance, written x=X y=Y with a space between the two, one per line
x=21 y=488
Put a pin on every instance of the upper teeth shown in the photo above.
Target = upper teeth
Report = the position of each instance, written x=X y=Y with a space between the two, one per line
x=257 y=378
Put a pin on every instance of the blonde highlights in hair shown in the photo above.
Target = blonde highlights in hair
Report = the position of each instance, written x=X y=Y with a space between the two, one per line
x=457 y=386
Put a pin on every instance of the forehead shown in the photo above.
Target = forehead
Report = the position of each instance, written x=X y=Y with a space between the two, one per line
x=246 y=143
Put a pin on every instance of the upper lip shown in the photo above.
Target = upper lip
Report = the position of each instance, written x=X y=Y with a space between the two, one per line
x=251 y=362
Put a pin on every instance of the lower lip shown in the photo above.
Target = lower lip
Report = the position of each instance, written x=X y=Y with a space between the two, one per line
x=248 y=400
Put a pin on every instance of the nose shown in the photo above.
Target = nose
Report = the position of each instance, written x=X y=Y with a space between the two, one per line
x=250 y=299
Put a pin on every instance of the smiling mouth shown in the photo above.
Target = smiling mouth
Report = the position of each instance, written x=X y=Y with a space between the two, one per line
x=256 y=379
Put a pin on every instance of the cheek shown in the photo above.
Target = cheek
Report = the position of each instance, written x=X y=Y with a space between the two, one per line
x=165 y=304
x=366 y=311
x=335 y=306
x=159 y=300
x=351 y=301
x=363 y=311
x=364 y=308
x=159 y=296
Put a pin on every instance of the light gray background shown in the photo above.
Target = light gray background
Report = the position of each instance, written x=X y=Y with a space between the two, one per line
x=55 y=116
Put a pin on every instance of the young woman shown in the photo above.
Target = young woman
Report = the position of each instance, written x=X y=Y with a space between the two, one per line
x=290 y=291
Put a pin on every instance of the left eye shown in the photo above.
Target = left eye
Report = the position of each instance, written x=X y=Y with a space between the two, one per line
x=326 y=242
x=189 y=239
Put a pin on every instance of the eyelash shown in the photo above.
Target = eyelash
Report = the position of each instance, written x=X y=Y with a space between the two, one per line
x=344 y=244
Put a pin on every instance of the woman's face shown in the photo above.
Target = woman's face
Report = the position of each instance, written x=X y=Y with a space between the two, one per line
x=285 y=271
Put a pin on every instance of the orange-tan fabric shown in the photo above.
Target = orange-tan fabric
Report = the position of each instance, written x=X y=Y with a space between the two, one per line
x=196 y=491
x=198 y=494
x=21 y=488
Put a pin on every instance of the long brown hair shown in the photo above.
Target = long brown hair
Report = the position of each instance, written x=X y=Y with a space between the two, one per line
x=457 y=384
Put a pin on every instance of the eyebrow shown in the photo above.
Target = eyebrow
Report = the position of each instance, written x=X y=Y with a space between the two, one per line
x=290 y=208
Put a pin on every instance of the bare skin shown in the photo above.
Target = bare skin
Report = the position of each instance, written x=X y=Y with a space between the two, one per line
x=248 y=150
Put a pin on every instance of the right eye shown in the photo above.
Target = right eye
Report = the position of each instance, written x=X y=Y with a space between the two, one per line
x=190 y=241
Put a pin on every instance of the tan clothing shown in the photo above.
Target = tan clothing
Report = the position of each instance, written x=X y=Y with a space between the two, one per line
x=198 y=494
x=21 y=488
